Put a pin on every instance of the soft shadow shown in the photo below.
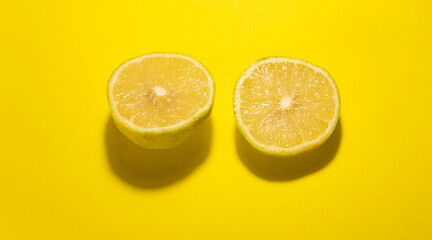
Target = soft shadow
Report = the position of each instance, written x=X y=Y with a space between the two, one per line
x=288 y=168
x=148 y=168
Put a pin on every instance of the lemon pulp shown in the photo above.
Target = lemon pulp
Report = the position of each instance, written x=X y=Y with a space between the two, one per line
x=156 y=99
x=285 y=106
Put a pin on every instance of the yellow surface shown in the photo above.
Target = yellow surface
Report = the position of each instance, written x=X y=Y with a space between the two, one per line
x=66 y=173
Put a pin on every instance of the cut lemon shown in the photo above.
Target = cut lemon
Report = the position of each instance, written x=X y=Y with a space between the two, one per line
x=159 y=100
x=286 y=106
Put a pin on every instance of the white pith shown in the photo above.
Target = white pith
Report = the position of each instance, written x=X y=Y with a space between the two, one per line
x=285 y=102
x=160 y=92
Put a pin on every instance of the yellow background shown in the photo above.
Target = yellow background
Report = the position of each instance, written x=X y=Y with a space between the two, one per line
x=67 y=173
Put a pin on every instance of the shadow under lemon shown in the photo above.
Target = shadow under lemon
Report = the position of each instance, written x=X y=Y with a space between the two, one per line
x=288 y=168
x=153 y=168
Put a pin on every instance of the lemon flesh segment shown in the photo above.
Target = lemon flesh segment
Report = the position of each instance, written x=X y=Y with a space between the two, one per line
x=159 y=100
x=286 y=106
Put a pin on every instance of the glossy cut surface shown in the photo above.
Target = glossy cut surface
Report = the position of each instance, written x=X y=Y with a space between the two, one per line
x=160 y=90
x=284 y=103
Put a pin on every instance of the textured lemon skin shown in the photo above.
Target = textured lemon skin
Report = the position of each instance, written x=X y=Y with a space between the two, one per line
x=163 y=138
x=287 y=152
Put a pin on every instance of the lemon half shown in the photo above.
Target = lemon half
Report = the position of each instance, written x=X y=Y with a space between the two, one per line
x=159 y=100
x=286 y=106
